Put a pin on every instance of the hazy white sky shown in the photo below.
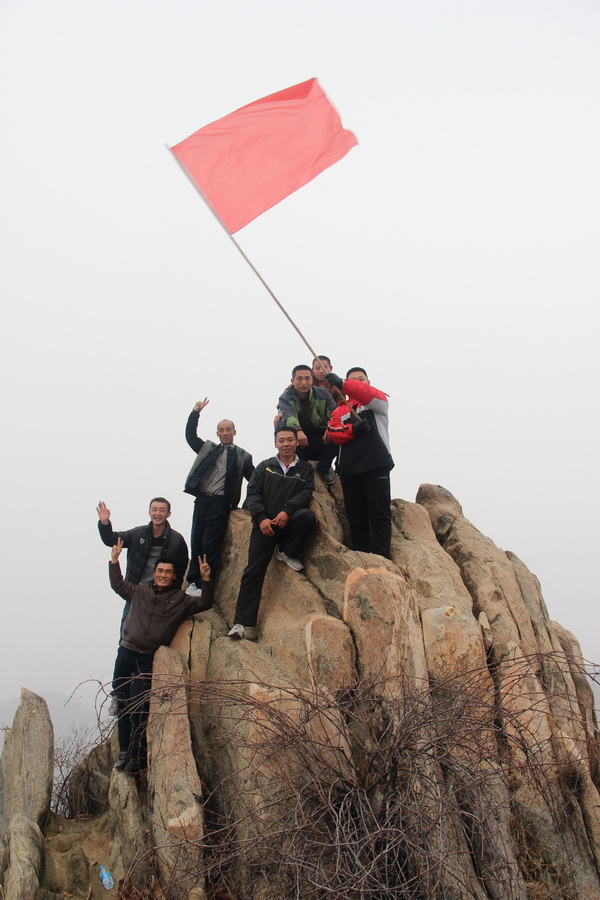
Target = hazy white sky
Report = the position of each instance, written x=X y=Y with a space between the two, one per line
x=453 y=253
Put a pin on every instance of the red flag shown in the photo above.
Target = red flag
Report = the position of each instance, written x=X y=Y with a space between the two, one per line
x=251 y=159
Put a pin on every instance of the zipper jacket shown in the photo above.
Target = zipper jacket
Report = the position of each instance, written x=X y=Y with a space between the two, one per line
x=271 y=491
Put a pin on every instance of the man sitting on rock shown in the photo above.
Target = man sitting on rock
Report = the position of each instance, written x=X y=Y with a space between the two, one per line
x=307 y=410
x=278 y=496
x=157 y=611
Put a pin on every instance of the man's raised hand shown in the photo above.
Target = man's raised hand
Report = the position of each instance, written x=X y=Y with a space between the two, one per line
x=204 y=568
x=116 y=551
x=200 y=404
x=103 y=512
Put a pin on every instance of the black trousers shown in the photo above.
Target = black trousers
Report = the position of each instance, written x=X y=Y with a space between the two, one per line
x=209 y=524
x=367 y=498
x=318 y=449
x=132 y=683
x=261 y=550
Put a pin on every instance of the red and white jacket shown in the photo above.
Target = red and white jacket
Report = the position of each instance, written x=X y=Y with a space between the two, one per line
x=362 y=452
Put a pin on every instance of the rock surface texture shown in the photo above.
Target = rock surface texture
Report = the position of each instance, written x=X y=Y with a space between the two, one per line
x=415 y=727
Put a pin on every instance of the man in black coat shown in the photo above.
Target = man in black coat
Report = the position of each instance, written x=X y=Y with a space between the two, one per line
x=278 y=496
x=215 y=480
x=145 y=544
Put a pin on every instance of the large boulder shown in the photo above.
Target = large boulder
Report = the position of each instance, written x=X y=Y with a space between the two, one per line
x=28 y=761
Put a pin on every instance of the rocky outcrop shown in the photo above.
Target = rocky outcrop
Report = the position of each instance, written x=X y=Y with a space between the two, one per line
x=415 y=727
x=27 y=768
x=28 y=761
x=174 y=789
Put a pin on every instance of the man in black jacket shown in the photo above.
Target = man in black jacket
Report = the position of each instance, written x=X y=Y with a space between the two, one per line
x=145 y=544
x=215 y=480
x=157 y=611
x=278 y=496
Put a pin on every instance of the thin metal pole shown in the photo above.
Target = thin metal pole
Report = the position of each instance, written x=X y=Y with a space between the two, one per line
x=334 y=391
x=235 y=243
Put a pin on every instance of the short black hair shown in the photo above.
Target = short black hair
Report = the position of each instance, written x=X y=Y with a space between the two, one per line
x=163 y=561
x=285 y=428
x=297 y=369
x=160 y=500
x=356 y=369
x=326 y=358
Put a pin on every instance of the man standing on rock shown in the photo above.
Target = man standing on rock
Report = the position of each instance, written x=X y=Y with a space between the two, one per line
x=157 y=611
x=215 y=480
x=278 y=496
x=364 y=461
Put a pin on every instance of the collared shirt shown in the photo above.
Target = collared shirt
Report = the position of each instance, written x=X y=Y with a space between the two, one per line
x=213 y=480
x=285 y=468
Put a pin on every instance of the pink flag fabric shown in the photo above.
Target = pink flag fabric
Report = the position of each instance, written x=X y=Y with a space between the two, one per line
x=251 y=159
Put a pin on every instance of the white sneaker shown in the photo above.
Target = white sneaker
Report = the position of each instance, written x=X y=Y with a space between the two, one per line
x=294 y=564
x=193 y=591
x=237 y=632
x=113 y=709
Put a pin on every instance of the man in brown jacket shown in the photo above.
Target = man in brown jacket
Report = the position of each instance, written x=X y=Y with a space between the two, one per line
x=157 y=611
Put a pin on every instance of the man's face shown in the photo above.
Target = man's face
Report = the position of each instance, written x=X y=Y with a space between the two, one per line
x=318 y=366
x=286 y=443
x=164 y=575
x=359 y=376
x=159 y=513
x=302 y=382
x=226 y=432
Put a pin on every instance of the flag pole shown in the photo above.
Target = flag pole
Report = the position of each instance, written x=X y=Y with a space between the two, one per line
x=241 y=252
x=336 y=393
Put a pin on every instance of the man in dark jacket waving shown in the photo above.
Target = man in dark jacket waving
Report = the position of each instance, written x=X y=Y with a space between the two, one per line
x=278 y=496
x=145 y=544
x=215 y=480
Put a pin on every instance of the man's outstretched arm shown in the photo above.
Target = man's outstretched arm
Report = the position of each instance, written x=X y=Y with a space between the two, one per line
x=108 y=536
x=122 y=588
x=191 y=427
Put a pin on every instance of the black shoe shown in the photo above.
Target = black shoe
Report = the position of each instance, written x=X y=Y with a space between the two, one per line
x=132 y=767
x=328 y=476
x=121 y=761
